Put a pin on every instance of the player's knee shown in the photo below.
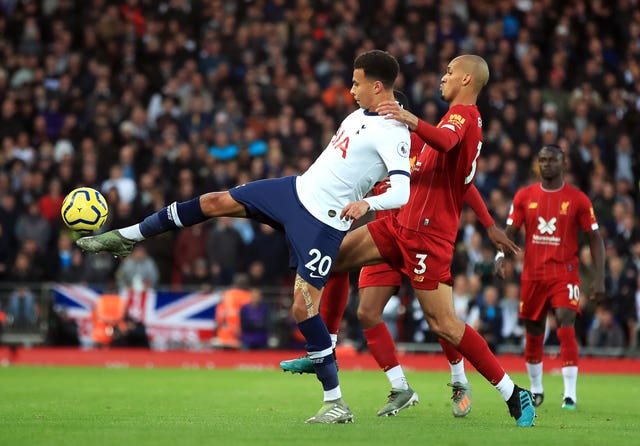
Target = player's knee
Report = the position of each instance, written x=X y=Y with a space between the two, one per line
x=299 y=311
x=446 y=328
x=368 y=316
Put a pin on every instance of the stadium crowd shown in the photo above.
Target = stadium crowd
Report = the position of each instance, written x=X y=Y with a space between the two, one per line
x=157 y=101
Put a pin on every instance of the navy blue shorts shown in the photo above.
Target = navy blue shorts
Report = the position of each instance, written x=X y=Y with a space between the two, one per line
x=313 y=245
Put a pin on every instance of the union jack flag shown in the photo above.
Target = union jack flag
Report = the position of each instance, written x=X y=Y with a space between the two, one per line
x=171 y=318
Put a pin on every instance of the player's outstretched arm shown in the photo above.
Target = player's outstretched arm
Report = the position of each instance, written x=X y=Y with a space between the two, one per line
x=497 y=236
x=440 y=139
x=597 y=254
x=393 y=110
x=511 y=232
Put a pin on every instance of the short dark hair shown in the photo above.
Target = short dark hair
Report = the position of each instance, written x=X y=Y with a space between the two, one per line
x=553 y=148
x=378 y=65
x=401 y=98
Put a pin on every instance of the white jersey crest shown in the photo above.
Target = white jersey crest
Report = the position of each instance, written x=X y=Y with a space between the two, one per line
x=363 y=151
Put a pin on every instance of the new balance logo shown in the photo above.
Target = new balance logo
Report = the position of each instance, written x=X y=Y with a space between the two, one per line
x=547 y=227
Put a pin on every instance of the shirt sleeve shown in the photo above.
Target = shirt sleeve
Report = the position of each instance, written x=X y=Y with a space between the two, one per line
x=516 y=214
x=449 y=131
x=474 y=200
x=586 y=215
x=394 y=146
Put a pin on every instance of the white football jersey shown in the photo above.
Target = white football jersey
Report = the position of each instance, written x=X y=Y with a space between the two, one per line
x=364 y=150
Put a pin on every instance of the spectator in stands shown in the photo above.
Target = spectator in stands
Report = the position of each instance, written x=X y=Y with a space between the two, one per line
x=486 y=317
x=22 y=308
x=4 y=252
x=512 y=332
x=51 y=203
x=126 y=187
x=227 y=319
x=462 y=298
x=254 y=322
x=158 y=78
x=605 y=330
x=138 y=271
x=33 y=226
x=190 y=248
x=224 y=249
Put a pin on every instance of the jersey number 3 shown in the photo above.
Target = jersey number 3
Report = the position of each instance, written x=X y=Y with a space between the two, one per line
x=474 y=165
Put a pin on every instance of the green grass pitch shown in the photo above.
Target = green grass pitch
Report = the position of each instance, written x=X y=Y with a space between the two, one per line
x=110 y=406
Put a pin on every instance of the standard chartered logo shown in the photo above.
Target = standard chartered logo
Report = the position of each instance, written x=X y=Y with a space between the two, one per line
x=546 y=230
x=547 y=227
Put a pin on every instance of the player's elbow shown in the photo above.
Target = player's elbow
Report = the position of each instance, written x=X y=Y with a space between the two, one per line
x=403 y=196
x=402 y=186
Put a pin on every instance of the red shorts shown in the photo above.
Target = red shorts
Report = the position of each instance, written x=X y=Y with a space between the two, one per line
x=424 y=258
x=379 y=275
x=537 y=296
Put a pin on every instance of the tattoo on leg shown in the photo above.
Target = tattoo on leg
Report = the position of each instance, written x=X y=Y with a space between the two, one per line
x=301 y=285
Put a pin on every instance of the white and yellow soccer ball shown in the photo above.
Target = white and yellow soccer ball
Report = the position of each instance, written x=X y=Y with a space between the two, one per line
x=84 y=210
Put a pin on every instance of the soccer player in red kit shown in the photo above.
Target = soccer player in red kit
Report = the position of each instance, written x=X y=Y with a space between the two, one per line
x=377 y=283
x=552 y=211
x=419 y=241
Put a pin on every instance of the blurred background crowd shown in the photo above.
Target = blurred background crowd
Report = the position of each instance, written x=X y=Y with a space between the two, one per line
x=153 y=101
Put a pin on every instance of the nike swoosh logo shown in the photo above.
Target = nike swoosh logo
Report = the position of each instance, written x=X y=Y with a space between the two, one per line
x=315 y=276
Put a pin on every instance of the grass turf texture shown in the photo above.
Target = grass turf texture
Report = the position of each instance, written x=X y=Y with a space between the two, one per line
x=102 y=406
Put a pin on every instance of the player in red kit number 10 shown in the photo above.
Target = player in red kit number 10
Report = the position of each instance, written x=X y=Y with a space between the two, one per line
x=552 y=212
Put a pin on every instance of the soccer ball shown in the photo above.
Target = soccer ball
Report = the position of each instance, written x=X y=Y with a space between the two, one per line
x=84 y=210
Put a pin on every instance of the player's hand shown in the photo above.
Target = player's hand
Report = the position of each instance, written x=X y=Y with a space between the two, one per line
x=598 y=293
x=500 y=269
x=392 y=110
x=501 y=241
x=381 y=187
x=354 y=210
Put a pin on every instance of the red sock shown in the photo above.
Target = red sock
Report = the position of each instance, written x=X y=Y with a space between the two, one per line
x=533 y=348
x=453 y=355
x=568 y=346
x=381 y=346
x=334 y=301
x=475 y=349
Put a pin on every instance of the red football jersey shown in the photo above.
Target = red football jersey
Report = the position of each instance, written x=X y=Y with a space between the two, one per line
x=551 y=220
x=416 y=146
x=439 y=180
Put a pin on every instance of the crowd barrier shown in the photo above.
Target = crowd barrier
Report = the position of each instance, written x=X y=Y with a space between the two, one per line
x=174 y=319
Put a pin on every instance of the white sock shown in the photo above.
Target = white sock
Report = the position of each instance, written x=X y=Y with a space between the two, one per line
x=457 y=373
x=334 y=339
x=505 y=387
x=333 y=394
x=570 y=378
x=132 y=232
x=396 y=378
x=535 y=377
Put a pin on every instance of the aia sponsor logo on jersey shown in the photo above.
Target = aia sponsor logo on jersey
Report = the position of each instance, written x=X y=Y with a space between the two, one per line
x=340 y=141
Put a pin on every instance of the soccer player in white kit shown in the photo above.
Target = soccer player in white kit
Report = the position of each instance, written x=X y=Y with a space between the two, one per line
x=315 y=210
